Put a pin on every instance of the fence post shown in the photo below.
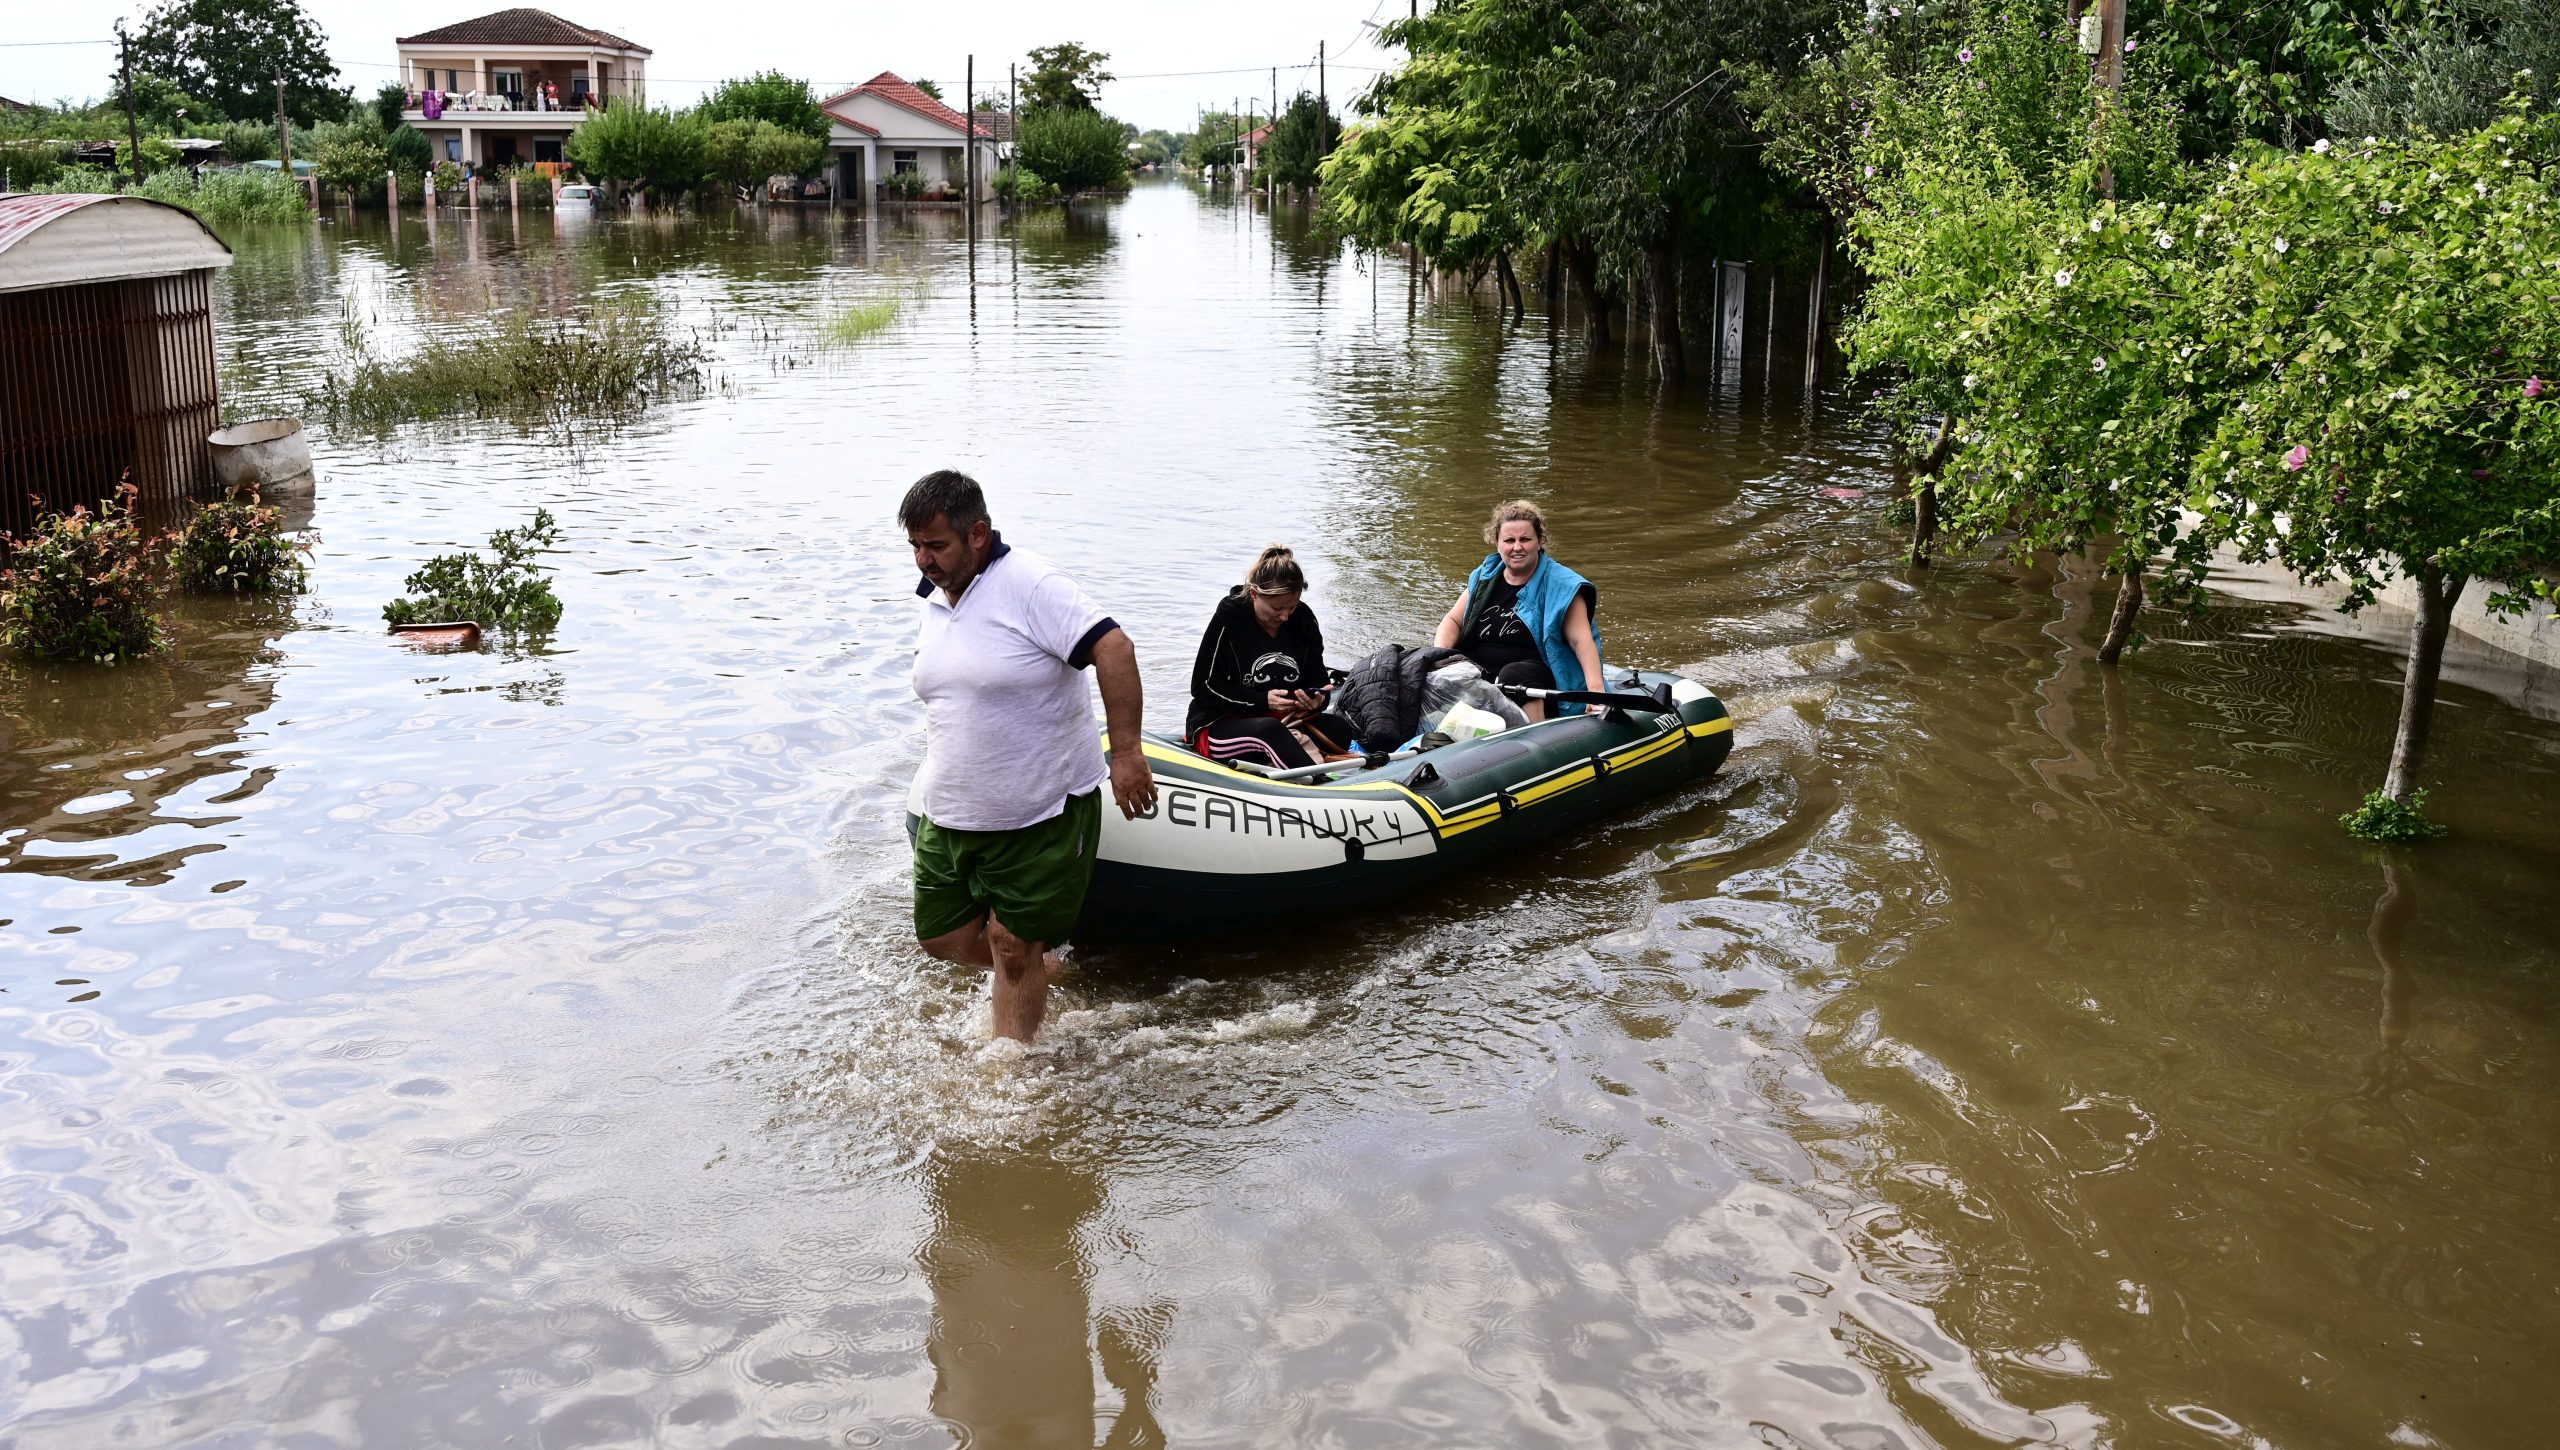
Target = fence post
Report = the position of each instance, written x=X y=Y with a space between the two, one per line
x=391 y=190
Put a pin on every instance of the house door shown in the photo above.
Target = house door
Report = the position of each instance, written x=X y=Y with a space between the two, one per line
x=849 y=173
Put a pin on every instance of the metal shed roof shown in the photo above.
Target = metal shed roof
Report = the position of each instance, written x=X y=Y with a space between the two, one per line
x=63 y=241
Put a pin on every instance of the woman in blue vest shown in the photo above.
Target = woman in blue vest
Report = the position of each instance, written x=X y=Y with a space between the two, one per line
x=1524 y=618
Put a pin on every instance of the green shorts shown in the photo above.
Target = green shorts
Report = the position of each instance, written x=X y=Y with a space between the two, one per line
x=1032 y=879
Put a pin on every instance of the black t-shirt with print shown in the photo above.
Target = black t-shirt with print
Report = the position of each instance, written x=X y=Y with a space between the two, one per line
x=1239 y=665
x=1498 y=636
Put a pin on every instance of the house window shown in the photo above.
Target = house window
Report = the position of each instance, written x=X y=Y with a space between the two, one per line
x=546 y=150
x=578 y=90
x=452 y=80
x=453 y=148
x=507 y=82
x=902 y=162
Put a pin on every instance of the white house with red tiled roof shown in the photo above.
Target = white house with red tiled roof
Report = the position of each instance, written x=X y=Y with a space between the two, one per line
x=885 y=127
x=511 y=85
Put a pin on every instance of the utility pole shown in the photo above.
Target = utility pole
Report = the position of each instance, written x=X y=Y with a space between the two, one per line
x=284 y=129
x=132 y=130
x=969 y=138
x=1013 y=123
x=1324 y=108
x=1271 y=192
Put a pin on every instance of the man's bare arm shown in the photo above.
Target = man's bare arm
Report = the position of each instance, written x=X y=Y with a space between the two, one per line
x=1115 y=669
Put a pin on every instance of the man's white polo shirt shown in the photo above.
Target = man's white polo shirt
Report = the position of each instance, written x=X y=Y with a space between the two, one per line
x=1008 y=720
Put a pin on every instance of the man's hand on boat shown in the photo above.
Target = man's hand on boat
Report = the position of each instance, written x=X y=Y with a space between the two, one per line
x=1133 y=782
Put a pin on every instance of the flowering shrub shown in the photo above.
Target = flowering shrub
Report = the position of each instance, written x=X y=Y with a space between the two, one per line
x=507 y=591
x=232 y=547
x=81 y=586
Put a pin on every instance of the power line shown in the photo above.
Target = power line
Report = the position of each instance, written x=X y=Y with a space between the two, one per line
x=29 y=44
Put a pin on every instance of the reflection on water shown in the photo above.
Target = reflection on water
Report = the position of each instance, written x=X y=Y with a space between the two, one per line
x=1013 y=1337
x=527 y=1047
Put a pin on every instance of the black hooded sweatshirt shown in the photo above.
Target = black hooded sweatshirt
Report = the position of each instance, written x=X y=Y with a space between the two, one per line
x=1239 y=665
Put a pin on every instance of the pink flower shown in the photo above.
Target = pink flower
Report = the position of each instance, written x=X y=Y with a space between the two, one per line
x=1965 y=55
x=2130 y=45
x=2533 y=387
x=2294 y=460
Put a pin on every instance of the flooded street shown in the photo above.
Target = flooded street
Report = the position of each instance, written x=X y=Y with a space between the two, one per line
x=529 y=1047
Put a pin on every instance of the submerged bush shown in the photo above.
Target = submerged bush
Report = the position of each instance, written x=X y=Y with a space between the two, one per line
x=1022 y=184
x=615 y=360
x=81 y=586
x=239 y=547
x=2394 y=823
x=506 y=590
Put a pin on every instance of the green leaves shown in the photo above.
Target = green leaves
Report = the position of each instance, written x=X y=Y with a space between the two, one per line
x=506 y=590
x=82 y=585
x=230 y=547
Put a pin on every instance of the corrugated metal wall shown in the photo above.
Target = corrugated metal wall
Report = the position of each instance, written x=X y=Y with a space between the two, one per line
x=102 y=379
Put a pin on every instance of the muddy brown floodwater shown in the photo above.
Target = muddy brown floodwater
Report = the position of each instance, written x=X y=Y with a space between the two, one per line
x=526 y=1047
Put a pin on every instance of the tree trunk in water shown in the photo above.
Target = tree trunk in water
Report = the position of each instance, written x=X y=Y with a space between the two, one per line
x=1586 y=279
x=1924 y=518
x=1662 y=270
x=2437 y=594
x=2120 y=624
x=1510 y=286
x=1551 y=279
x=1923 y=478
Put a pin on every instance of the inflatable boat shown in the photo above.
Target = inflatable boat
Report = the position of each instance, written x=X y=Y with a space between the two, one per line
x=1227 y=851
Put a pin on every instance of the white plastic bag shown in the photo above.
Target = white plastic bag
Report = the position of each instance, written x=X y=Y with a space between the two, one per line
x=1459 y=702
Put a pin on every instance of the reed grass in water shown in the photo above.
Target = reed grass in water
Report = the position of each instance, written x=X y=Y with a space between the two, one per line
x=863 y=319
x=610 y=362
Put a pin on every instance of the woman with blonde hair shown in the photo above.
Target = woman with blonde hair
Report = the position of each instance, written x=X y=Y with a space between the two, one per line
x=1524 y=618
x=1259 y=685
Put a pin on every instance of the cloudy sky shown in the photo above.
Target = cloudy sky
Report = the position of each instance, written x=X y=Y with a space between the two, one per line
x=1152 y=44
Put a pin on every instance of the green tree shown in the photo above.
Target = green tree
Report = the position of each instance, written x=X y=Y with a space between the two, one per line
x=1078 y=150
x=770 y=96
x=2380 y=325
x=351 y=165
x=409 y=150
x=746 y=153
x=1968 y=157
x=629 y=144
x=230 y=52
x=389 y=103
x=161 y=106
x=1064 y=77
x=1157 y=148
x=1303 y=136
x=930 y=88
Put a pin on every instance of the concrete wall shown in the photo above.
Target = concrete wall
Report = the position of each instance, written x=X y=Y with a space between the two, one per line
x=2516 y=659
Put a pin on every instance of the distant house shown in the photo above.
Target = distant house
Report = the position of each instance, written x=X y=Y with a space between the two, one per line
x=509 y=87
x=885 y=127
x=1248 y=151
x=19 y=107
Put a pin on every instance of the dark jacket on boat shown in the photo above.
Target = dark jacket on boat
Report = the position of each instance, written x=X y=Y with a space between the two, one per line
x=1239 y=665
x=1382 y=697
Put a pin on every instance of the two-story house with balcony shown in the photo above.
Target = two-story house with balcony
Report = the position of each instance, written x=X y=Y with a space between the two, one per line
x=510 y=86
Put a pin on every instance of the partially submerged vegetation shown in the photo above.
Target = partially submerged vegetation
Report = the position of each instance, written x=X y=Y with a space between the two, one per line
x=608 y=361
x=505 y=589
x=239 y=546
x=82 y=585
x=863 y=319
x=224 y=198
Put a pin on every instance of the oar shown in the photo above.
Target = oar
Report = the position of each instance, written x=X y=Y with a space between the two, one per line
x=1647 y=704
x=1323 y=767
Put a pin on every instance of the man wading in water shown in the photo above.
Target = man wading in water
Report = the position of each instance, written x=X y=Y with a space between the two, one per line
x=1012 y=778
